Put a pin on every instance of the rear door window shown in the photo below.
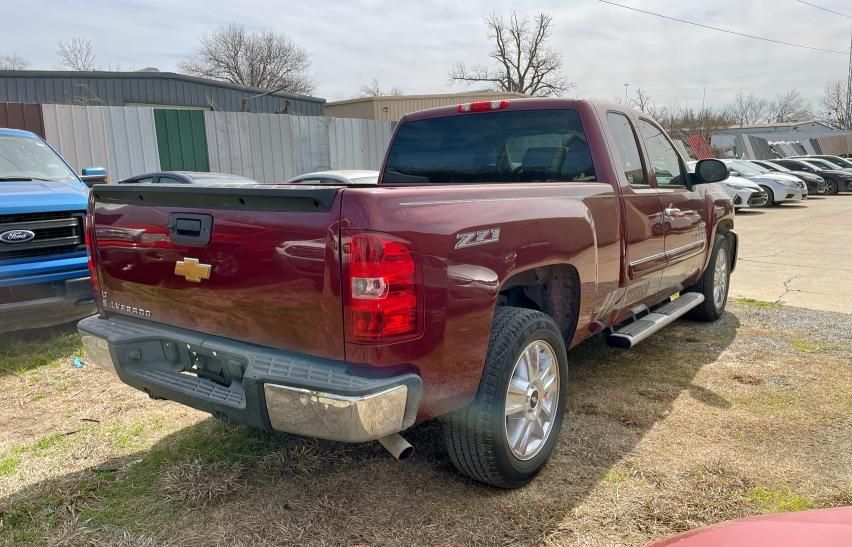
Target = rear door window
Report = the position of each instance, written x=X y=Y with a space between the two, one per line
x=513 y=146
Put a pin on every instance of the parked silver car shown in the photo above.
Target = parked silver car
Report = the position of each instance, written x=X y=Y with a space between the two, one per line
x=779 y=188
x=340 y=176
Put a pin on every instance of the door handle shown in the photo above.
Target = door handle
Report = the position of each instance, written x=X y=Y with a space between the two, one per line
x=190 y=229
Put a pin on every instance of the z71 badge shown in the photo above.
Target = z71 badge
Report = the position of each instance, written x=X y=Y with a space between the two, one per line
x=480 y=237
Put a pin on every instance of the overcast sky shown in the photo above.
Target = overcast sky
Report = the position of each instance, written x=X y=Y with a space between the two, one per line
x=412 y=45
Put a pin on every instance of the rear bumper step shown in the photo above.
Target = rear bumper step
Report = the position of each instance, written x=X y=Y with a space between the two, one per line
x=257 y=386
x=636 y=331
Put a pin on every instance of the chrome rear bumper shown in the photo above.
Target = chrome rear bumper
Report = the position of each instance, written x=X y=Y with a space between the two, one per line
x=336 y=417
x=278 y=390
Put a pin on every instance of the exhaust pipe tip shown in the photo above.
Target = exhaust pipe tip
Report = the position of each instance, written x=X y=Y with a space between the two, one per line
x=397 y=446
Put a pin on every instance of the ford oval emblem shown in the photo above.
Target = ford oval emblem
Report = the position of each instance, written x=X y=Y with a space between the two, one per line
x=16 y=236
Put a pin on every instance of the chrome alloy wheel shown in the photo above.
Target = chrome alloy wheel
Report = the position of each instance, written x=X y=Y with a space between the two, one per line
x=531 y=400
x=720 y=278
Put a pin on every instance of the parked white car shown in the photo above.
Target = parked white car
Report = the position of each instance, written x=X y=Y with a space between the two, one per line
x=779 y=188
x=743 y=192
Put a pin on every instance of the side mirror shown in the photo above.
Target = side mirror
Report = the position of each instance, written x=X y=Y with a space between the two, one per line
x=707 y=171
x=94 y=175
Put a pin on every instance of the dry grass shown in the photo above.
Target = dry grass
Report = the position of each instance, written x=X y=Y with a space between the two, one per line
x=194 y=484
x=697 y=425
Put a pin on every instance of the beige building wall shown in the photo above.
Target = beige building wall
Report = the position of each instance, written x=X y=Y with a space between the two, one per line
x=390 y=108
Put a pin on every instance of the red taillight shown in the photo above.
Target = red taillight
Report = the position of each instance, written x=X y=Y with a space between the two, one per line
x=482 y=106
x=382 y=288
x=88 y=236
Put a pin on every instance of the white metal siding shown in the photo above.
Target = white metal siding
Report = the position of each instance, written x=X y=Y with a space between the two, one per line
x=276 y=147
x=122 y=140
x=358 y=144
x=77 y=133
x=228 y=143
x=131 y=141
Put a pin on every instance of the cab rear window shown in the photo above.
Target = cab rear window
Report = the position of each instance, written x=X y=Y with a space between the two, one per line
x=506 y=146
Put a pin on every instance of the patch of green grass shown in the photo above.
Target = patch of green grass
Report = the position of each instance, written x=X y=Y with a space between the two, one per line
x=20 y=528
x=9 y=465
x=46 y=443
x=20 y=353
x=122 y=435
x=779 y=500
x=807 y=346
x=131 y=497
x=752 y=303
x=614 y=475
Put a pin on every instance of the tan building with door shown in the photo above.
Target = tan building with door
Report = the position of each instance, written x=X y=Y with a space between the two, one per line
x=392 y=108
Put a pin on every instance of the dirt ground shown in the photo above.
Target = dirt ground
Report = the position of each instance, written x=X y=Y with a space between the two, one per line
x=700 y=423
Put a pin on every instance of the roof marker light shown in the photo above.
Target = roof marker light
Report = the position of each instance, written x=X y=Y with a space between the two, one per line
x=482 y=106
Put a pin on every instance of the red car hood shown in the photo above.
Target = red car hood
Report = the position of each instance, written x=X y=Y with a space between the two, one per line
x=819 y=528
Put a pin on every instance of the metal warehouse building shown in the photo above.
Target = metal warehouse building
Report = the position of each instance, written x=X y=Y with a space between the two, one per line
x=158 y=89
x=393 y=107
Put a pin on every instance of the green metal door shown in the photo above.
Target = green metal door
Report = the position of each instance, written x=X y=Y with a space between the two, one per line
x=181 y=140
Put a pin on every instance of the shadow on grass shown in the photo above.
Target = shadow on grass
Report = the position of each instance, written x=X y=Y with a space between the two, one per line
x=27 y=349
x=216 y=484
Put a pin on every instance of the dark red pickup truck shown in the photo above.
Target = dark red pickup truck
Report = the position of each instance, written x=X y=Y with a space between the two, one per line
x=500 y=234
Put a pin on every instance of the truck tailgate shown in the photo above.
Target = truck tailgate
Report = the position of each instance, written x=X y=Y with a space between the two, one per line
x=253 y=263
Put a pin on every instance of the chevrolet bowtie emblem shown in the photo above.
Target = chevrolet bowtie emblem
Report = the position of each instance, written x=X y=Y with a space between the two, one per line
x=192 y=269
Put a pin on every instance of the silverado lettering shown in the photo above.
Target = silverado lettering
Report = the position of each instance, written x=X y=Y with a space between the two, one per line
x=348 y=312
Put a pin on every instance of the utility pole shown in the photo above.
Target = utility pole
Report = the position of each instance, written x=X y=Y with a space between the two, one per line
x=626 y=96
x=849 y=89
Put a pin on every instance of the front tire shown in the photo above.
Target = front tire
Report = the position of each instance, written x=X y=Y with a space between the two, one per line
x=770 y=197
x=714 y=283
x=506 y=435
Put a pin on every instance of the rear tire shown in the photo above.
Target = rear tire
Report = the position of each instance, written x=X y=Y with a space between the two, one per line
x=506 y=435
x=714 y=283
x=831 y=187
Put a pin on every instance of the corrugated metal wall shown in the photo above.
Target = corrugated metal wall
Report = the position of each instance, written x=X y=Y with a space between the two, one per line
x=144 y=88
x=275 y=147
x=394 y=108
x=358 y=144
x=837 y=145
x=267 y=147
x=122 y=140
x=131 y=141
x=25 y=116
x=78 y=133
x=181 y=140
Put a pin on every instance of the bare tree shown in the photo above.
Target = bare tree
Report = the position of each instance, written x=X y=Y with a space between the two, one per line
x=680 y=122
x=76 y=54
x=836 y=106
x=790 y=107
x=374 y=90
x=748 y=109
x=642 y=101
x=267 y=60
x=13 y=62
x=523 y=63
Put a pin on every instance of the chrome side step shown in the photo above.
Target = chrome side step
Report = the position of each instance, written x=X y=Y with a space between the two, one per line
x=633 y=333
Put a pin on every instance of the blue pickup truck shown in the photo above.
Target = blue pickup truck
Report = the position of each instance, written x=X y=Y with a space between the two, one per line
x=44 y=275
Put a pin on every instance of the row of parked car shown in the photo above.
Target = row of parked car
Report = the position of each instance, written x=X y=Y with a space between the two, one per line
x=766 y=183
x=752 y=183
